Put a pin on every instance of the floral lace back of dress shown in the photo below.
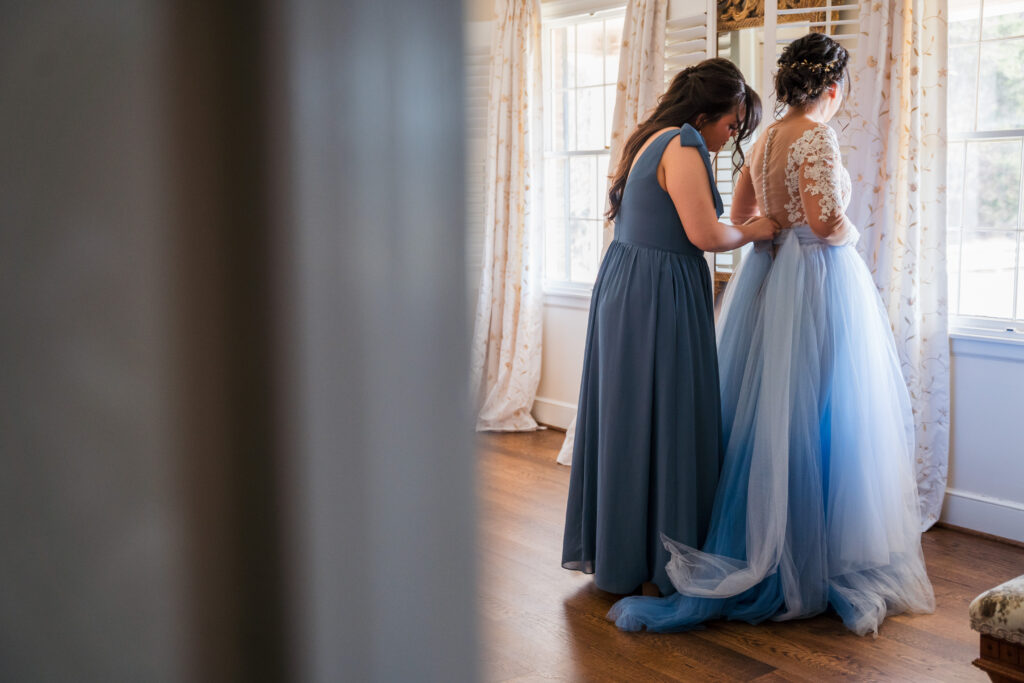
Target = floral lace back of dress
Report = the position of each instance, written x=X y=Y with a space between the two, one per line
x=815 y=154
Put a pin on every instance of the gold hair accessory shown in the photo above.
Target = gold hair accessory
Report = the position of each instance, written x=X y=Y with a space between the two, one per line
x=811 y=66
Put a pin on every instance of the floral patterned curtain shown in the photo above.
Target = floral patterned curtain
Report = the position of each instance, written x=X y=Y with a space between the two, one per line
x=898 y=166
x=641 y=82
x=506 y=351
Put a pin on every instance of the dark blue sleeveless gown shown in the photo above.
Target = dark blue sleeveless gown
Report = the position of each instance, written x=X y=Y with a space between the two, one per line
x=648 y=450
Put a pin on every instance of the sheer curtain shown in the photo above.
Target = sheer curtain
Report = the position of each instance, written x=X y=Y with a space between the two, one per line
x=506 y=352
x=898 y=166
x=641 y=81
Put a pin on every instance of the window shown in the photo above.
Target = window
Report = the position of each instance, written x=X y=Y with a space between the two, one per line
x=985 y=161
x=581 y=66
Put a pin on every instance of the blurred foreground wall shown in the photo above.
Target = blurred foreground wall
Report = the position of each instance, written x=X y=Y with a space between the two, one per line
x=234 y=435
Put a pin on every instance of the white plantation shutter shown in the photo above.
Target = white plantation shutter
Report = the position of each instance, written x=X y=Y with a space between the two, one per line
x=690 y=37
x=728 y=260
x=689 y=34
x=476 y=64
x=840 y=21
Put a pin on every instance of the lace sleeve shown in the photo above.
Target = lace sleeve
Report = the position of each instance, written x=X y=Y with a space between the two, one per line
x=823 y=192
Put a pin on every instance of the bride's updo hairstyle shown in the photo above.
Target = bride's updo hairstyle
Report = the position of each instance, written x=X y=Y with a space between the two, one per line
x=699 y=94
x=807 y=67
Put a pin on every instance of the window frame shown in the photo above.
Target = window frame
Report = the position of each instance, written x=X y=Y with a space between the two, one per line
x=1009 y=329
x=563 y=13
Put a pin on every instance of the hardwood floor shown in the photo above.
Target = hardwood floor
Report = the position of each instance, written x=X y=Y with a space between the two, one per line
x=542 y=622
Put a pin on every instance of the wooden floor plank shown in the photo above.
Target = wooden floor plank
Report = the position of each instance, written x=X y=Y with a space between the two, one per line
x=542 y=623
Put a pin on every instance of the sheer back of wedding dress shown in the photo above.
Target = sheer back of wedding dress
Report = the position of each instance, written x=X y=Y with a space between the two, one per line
x=817 y=502
x=797 y=164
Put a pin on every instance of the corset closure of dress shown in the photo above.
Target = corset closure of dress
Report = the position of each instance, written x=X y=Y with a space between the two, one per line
x=802 y=232
x=764 y=172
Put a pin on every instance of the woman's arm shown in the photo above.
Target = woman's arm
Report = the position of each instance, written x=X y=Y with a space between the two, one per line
x=687 y=183
x=744 y=200
x=819 y=190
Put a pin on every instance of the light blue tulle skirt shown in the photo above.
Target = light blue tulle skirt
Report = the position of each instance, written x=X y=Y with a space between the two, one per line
x=817 y=500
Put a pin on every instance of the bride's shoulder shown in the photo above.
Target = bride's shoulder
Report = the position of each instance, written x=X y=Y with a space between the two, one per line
x=799 y=130
x=815 y=139
x=812 y=130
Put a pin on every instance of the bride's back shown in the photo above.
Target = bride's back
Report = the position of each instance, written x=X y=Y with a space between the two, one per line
x=797 y=175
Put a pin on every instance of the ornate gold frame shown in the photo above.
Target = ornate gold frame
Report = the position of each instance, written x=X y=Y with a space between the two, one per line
x=737 y=14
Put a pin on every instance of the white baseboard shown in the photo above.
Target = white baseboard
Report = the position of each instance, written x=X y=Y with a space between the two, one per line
x=978 y=512
x=553 y=412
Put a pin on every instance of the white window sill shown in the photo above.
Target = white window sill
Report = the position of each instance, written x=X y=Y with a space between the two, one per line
x=987 y=343
x=567 y=296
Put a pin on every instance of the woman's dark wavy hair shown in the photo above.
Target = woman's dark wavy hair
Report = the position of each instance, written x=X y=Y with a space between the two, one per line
x=701 y=93
x=807 y=67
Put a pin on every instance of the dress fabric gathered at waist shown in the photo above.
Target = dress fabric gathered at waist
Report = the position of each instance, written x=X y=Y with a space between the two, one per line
x=806 y=237
x=677 y=249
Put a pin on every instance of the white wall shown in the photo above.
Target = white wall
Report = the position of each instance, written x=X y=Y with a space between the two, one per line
x=985 y=491
x=565 y=330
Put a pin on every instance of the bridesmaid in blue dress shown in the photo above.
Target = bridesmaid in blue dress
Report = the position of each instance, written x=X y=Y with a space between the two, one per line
x=817 y=506
x=647 y=447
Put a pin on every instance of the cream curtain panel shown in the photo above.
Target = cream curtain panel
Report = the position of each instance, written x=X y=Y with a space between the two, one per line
x=506 y=352
x=641 y=82
x=897 y=162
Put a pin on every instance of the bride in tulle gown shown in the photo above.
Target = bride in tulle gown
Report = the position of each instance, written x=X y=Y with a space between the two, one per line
x=817 y=501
